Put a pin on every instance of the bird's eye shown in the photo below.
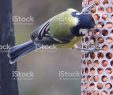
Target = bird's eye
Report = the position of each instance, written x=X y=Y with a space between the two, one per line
x=74 y=14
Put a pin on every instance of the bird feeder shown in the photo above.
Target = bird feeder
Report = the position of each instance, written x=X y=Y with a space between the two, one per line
x=97 y=67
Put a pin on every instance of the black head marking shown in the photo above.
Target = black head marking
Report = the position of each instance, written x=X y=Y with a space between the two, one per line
x=86 y=21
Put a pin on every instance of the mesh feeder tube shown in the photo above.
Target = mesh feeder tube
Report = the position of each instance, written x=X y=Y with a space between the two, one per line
x=97 y=67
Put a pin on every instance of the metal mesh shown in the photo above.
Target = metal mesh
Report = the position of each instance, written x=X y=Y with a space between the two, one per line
x=97 y=67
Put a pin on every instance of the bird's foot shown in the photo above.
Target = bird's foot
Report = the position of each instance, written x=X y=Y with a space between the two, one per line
x=91 y=50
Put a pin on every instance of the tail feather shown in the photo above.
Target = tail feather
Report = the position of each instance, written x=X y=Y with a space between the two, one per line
x=19 y=51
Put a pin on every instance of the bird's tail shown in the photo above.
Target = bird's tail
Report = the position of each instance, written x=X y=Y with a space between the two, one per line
x=19 y=51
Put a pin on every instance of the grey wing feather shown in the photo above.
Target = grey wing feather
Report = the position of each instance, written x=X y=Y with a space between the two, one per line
x=41 y=31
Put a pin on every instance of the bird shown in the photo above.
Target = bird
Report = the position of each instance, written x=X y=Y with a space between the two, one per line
x=64 y=30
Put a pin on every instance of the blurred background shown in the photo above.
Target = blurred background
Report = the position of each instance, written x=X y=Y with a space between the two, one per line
x=45 y=64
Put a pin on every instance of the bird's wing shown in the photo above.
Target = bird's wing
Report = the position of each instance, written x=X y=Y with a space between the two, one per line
x=41 y=31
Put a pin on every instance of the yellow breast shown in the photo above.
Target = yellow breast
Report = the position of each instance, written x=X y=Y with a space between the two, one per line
x=71 y=44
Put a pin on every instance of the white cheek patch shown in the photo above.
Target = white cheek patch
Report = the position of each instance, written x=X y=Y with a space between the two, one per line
x=75 y=21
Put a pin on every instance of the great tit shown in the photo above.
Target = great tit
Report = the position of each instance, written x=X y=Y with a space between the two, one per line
x=63 y=30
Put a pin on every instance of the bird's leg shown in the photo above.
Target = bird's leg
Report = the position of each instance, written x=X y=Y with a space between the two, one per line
x=91 y=50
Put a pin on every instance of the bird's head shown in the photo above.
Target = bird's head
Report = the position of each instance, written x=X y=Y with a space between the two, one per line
x=85 y=21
